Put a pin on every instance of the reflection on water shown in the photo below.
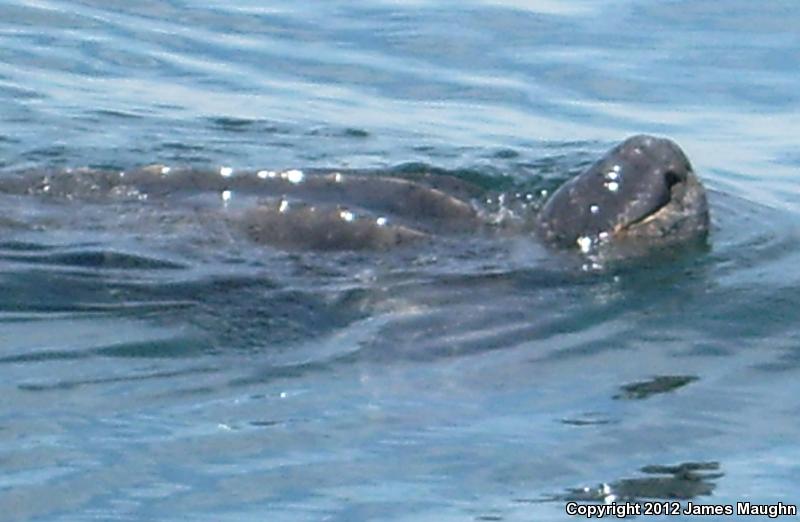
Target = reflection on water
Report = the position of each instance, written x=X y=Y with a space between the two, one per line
x=656 y=385
x=685 y=481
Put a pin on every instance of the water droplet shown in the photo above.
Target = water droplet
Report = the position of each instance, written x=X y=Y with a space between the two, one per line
x=225 y=172
x=347 y=215
x=165 y=170
x=585 y=244
x=264 y=174
x=594 y=209
x=603 y=236
x=613 y=186
x=294 y=175
x=381 y=221
x=226 y=195
x=284 y=206
x=338 y=177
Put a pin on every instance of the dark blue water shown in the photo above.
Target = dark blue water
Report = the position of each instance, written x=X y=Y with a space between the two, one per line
x=155 y=365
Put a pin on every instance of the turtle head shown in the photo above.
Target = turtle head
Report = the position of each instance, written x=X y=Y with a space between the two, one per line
x=642 y=190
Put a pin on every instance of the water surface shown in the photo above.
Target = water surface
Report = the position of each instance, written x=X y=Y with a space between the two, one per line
x=155 y=365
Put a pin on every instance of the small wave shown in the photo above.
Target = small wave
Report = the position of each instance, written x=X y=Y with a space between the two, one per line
x=107 y=260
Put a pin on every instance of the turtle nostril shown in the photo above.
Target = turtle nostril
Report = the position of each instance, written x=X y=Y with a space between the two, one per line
x=672 y=178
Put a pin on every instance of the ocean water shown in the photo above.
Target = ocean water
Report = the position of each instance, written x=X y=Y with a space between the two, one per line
x=156 y=365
